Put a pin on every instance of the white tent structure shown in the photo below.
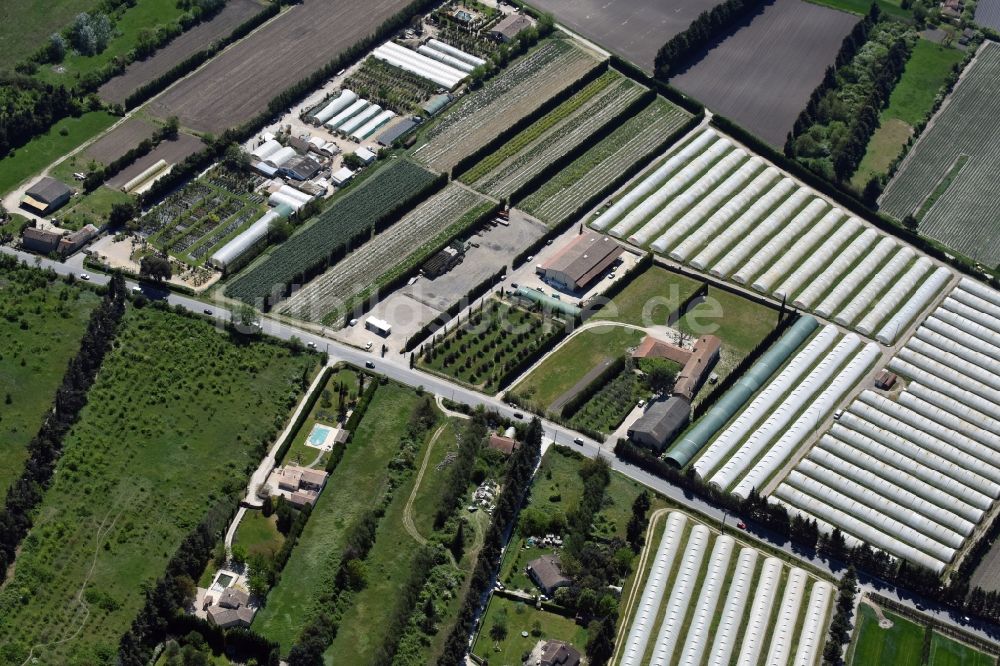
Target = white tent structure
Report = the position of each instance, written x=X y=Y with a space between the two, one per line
x=338 y=104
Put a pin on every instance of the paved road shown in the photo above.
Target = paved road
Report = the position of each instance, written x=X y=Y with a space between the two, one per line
x=396 y=367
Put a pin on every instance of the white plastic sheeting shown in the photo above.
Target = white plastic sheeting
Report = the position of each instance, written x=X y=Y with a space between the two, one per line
x=966 y=424
x=347 y=114
x=812 y=637
x=447 y=59
x=980 y=290
x=369 y=127
x=882 y=278
x=721 y=218
x=713 y=200
x=836 y=268
x=280 y=156
x=693 y=650
x=788 y=617
x=744 y=223
x=266 y=149
x=760 y=613
x=421 y=65
x=360 y=119
x=237 y=247
x=958 y=362
x=804 y=426
x=856 y=528
x=961 y=378
x=976 y=303
x=904 y=456
x=766 y=253
x=819 y=259
x=277 y=198
x=947 y=386
x=777 y=421
x=652 y=594
x=680 y=595
x=438 y=45
x=724 y=444
x=655 y=179
x=730 y=624
x=669 y=191
x=961 y=331
x=988 y=326
x=789 y=259
x=764 y=230
x=859 y=275
x=343 y=100
x=689 y=197
x=956 y=406
x=920 y=299
x=892 y=298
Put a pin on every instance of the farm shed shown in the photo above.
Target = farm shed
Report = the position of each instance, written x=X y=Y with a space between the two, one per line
x=40 y=240
x=577 y=264
x=341 y=176
x=548 y=303
x=73 y=241
x=398 y=130
x=240 y=249
x=436 y=104
x=734 y=399
x=511 y=27
x=365 y=155
x=442 y=262
x=47 y=195
x=380 y=326
x=341 y=102
x=661 y=423
x=300 y=167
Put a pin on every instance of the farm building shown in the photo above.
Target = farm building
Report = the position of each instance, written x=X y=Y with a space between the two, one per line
x=436 y=104
x=300 y=167
x=692 y=375
x=289 y=196
x=547 y=573
x=266 y=149
x=47 y=195
x=581 y=261
x=365 y=155
x=241 y=249
x=651 y=347
x=42 y=241
x=511 y=27
x=338 y=104
x=280 y=156
x=662 y=422
x=379 y=326
x=397 y=131
x=505 y=445
x=885 y=380
x=341 y=176
x=442 y=262
x=323 y=147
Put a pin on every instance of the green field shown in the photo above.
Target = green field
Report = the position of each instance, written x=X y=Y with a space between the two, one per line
x=25 y=25
x=891 y=7
x=948 y=652
x=740 y=324
x=45 y=149
x=44 y=320
x=353 y=488
x=649 y=298
x=561 y=371
x=93 y=208
x=177 y=417
x=258 y=534
x=900 y=645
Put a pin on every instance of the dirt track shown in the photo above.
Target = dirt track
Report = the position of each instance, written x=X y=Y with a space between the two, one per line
x=197 y=38
x=762 y=76
x=238 y=83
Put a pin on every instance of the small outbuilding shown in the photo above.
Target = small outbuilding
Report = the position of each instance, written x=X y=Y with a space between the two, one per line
x=510 y=27
x=661 y=423
x=397 y=131
x=341 y=177
x=506 y=445
x=365 y=155
x=47 y=195
x=436 y=104
x=546 y=572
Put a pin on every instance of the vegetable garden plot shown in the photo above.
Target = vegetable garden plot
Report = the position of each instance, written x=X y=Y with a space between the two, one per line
x=708 y=597
x=567 y=126
x=632 y=142
x=968 y=123
x=503 y=100
x=390 y=253
x=355 y=213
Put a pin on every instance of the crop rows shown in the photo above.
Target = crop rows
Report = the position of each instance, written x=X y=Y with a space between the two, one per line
x=529 y=156
x=356 y=212
x=502 y=101
x=630 y=143
x=967 y=124
x=395 y=247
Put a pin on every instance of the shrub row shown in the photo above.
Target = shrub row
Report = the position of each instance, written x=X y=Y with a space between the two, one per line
x=576 y=403
x=665 y=89
x=300 y=420
x=96 y=177
x=711 y=25
x=44 y=449
x=527 y=361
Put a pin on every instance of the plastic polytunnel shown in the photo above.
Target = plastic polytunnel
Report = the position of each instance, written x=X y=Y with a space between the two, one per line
x=705 y=611
x=835 y=269
x=787 y=620
x=424 y=66
x=648 y=610
x=355 y=108
x=967 y=424
x=913 y=305
x=956 y=404
x=680 y=595
x=445 y=58
x=860 y=274
x=812 y=638
x=721 y=218
x=438 y=45
x=369 y=127
x=819 y=259
x=960 y=378
x=343 y=100
x=700 y=211
x=976 y=303
x=744 y=223
x=648 y=184
x=360 y=119
x=962 y=330
x=694 y=193
x=266 y=149
x=731 y=620
x=789 y=259
x=959 y=358
x=892 y=298
x=765 y=255
x=989 y=326
x=824 y=527
x=730 y=438
x=759 y=623
x=877 y=284
x=980 y=290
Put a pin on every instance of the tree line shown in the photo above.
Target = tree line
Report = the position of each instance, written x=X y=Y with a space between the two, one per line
x=44 y=449
x=29 y=108
x=708 y=27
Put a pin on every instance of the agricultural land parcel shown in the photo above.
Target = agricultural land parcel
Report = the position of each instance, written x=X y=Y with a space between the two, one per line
x=515 y=93
x=27 y=24
x=911 y=100
x=39 y=333
x=988 y=13
x=140 y=72
x=963 y=215
x=902 y=644
x=634 y=29
x=170 y=150
x=178 y=414
x=239 y=83
x=761 y=76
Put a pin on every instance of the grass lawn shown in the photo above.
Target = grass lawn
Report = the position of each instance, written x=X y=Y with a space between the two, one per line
x=657 y=291
x=883 y=148
x=520 y=617
x=948 y=652
x=740 y=323
x=41 y=330
x=259 y=534
x=325 y=411
x=93 y=208
x=25 y=25
x=178 y=415
x=43 y=150
x=573 y=360
x=901 y=645
x=352 y=488
x=891 y=7
x=619 y=496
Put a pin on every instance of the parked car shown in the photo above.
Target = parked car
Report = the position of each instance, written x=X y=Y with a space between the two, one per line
x=741 y=525
x=368 y=345
x=84 y=276
x=518 y=415
x=370 y=365
x=311 y=344
x=578 y=441
x=207 y=311
x=641 y=403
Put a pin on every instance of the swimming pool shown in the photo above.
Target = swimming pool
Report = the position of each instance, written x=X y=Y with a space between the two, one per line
x=318 y=436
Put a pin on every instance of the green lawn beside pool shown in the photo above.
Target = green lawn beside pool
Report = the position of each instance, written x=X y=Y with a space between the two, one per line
x=259 y=534
x=325 y=412
x=40 y=152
